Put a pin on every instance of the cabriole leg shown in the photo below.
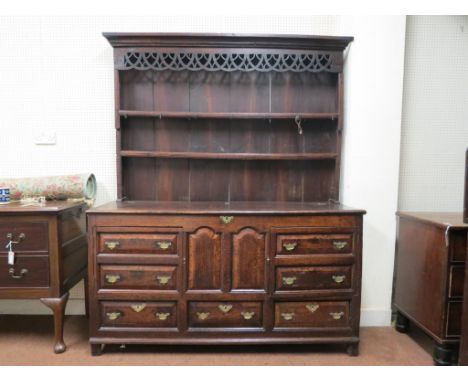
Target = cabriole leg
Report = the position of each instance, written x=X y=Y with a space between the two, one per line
x=57 y=305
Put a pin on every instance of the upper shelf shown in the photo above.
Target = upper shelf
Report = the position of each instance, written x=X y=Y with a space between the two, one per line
x=226 y=115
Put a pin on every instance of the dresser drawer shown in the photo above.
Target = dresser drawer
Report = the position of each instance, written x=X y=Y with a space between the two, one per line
x=312 y=314
x=454 y=317
x=225 y=314
x=292 y=244
x=457 y=278
x=29 y=271
x=139 y=314
x=31 y=236
x=138 y=243
x=138 y=277
x=301 y=278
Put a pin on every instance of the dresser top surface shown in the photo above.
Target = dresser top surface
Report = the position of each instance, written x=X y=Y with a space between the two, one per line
x=195 y=208
x=15 y=207
x=443 y=219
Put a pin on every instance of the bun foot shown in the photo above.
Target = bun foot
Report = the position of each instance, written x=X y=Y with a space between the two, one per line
x=59 y=347
x=353 y=350
x=402 y=323
x=443 y=356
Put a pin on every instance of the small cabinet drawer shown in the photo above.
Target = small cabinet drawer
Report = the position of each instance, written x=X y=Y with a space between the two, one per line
x=458 y=245
x=304 y=244
x=312 y=314
x=457 y=279
x=302 y=278
x=138 y=243
x=138 y=277
x=225 y=314
x=454 y=318
x=139 y=314
x=28 y=271
x=26 y=236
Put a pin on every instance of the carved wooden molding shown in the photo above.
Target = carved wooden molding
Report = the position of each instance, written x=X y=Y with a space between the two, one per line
x=228 y=61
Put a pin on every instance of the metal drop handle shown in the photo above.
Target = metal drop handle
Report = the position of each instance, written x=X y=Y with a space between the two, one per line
x=11 y=272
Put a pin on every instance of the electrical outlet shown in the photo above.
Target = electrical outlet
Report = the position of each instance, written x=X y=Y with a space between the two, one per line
x=45 y=137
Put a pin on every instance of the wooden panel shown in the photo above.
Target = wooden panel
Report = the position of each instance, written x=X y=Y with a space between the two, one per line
x=312 y=314
x=225 y=314
x=421 y=274
x=171 y=90
x=37 y=275
x=139 y=314
x=209 y=180
x=209 y=91
x=72 y=225
x=155 y=243
x=304 y=92
x=36 y=235
x=454 y=317
x=310 y=278
x=248 y=260
x=138 y=178
x=204 y=258
x=136 y=90
x=457 y=279
x=302 y=244
x=138 y=277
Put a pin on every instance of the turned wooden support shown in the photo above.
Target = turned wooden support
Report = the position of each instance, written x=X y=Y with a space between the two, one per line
x=57 y=305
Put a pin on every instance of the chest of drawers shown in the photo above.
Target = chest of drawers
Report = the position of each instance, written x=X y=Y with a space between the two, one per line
x=207 y=273
x=430 y=269
x=50 y=255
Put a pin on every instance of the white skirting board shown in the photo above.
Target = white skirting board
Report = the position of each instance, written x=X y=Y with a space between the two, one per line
x=369 y=317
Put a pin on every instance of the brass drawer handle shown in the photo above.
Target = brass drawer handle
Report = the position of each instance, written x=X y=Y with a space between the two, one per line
x=287 y=316
x=312 y=307
x=226 y=219
x=164 y=244
x=162 y=316
x=337 y=315
x=21 y=237
x=339 y=244
x=11 y=272
x=113 y=315
x=289 y=280
x=248 y=315
x=202 y=315
x=163 y=280
x=290 y=246
x=338 y=278
x=112 y=279
x=111 y=244
x=224 y=308
x=138 y=307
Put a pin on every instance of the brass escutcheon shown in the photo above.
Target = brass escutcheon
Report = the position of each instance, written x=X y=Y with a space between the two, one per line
x=339 y=244
x=112 y=279
x=226 y=219
x=289 y=246
x=224 y=308
x=289 y=280
x=138 y=307
x=287 y=316
x=202 y=315
x=111 y=244
x=338 y=278
x=337 y=315
x=113 y=315
x=164 y=244
x=163 y=280
x=312 y=307
x=162 y=316
x=248 y=315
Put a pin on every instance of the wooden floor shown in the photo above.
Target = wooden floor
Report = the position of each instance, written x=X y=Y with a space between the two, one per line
x=27 y=340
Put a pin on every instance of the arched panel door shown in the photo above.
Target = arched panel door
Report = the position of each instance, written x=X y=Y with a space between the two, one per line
x=248 y=260
x=204 y=259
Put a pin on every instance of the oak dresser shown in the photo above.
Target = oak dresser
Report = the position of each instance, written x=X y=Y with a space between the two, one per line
x=228 y=228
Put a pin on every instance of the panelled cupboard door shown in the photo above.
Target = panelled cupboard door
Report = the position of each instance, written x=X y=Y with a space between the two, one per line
x=204 y=259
